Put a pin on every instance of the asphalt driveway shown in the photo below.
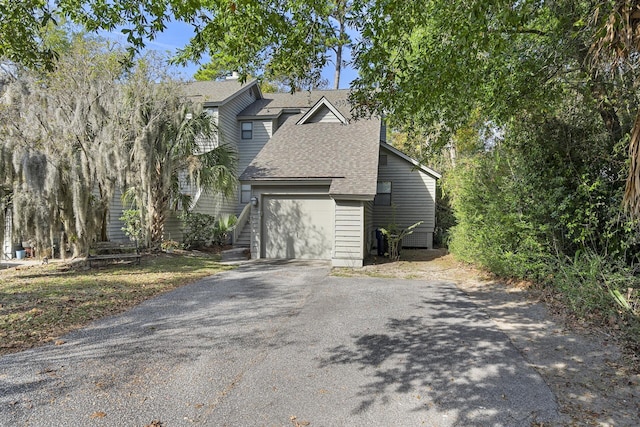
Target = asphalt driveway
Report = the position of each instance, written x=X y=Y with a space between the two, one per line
x=282 y=344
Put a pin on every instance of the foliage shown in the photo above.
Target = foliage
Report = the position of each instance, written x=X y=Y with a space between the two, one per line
x=199 y=229
x=394 y=234
x=223 y=228
x=22 y=25
x=560 y=224
x=132 y=224
x=445 y=218
x=174 y=150
x=73 y=135
x=61 y=149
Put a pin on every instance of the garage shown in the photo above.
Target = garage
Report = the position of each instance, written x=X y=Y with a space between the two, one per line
x=297 y=227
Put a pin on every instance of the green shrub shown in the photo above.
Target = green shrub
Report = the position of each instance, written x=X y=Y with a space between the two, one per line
x=223 y=228
x=199 y=229
x=132 y=224
x=544 y=204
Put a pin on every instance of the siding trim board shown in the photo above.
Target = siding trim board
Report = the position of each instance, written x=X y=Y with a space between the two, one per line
x=349 y=234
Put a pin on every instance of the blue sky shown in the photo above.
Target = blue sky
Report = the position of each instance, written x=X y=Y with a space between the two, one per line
x=178 y=34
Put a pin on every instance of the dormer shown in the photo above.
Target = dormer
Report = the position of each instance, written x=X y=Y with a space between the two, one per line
x=323 y=112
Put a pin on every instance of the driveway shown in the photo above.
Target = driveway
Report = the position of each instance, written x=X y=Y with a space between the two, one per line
x=282 y=344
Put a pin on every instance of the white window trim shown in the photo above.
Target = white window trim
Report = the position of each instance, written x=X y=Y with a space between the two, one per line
x=243 y=130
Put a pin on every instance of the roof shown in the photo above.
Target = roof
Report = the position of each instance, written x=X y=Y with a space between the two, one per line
x=345 y=154
x=215 y=93
x=273 y=104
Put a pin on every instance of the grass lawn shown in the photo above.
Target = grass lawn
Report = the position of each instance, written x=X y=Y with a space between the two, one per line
x=39 y=304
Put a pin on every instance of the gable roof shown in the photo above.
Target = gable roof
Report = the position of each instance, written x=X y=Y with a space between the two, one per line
x=273 y=104
x=411 y=160
x=322 y=103
x=215 y=93
x=345 y=155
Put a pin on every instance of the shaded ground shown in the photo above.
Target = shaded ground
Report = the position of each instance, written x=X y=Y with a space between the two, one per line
x=584 y=368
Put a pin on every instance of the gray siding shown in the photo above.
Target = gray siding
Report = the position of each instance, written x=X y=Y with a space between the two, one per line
x=249 y=148
x=323 y=115
x=173 y=227
x=216 y=205
x=7 y=239
x=228 y=127
x=349 y=233
x=413 y=195
x=210 y=144
x=114 y=225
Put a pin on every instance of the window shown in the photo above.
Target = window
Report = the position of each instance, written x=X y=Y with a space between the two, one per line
x=247 y=130
x=383 y=194
x=245 y=193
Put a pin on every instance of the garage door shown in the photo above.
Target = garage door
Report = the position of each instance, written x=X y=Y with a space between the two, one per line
x=297 y=227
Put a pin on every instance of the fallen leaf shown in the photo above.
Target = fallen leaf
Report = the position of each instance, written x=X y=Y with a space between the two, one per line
x=98 y=414
x=60 y=342
x=297 y=423
x=154 y=423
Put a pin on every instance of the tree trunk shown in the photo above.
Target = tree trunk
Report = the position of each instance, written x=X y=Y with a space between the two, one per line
x=157 y=216
x=336 y=79
x=340 y=13
x=104 y=217
x=631 y=198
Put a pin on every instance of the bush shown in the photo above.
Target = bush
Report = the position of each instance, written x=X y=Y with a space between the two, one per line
x=544 y=204
x=199 y=229
x=132 y=224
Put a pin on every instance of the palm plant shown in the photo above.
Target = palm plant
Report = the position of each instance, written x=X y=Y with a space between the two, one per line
x=166 y=152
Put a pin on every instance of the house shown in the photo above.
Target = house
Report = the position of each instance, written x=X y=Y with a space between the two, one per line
x=314 y=182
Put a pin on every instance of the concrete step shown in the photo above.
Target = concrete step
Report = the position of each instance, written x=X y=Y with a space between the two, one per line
x=235 y=255
x=244 y=239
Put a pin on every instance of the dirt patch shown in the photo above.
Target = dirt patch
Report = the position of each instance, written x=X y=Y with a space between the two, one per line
x=583 y=366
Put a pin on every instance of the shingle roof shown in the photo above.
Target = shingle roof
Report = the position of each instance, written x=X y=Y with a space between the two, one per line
x=274 y=103
x=346 y=154
x=213 y=92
